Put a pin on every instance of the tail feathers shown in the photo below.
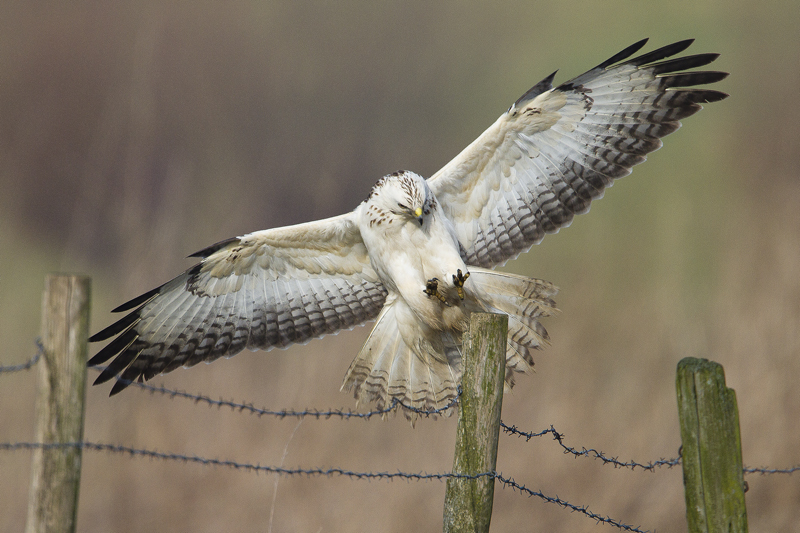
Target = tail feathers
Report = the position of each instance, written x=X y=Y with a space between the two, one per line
x=426 y=376
x=386 y=369
x=525 y=300
x=507 y=284
x=525 y=334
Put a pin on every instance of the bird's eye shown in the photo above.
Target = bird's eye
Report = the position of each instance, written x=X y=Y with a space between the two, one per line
x=401 y=206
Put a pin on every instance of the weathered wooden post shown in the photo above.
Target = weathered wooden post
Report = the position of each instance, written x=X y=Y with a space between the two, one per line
x=55 y=472
x=468 y=502
x=712 y=450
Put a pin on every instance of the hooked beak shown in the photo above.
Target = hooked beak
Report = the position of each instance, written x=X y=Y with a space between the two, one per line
x=418 y=214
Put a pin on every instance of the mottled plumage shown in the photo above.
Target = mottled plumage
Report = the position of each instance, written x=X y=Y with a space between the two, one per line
x=415 y=255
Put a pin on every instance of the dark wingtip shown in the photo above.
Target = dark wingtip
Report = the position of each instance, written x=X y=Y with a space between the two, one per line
x=98 y=359
x=713 y=96
x=117 y=327
x=103 y=377
x=661 y=53
x=613 y=60
x=691 y=79
x=136 y=302
x=208 y=250
x=112 y=371
x=543 y=86
x=113 y=348
x=624 y=54
x=118 y=387
x=683 y=63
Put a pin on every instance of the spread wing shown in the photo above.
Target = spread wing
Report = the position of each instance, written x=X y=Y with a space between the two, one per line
x=266 y=289
x=557 y=149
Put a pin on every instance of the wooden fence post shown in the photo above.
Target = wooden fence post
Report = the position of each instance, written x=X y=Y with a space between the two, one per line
x=55 y=472
x=468 y=502
x=713 y=477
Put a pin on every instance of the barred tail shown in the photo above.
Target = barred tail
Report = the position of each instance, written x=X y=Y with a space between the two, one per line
x=427 y=377
x=525 y=300
x=387 y=369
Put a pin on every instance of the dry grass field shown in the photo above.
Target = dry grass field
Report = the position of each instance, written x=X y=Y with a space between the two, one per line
x=135 y=133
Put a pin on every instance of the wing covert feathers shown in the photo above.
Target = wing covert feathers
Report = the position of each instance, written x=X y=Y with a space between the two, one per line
x=557 y=149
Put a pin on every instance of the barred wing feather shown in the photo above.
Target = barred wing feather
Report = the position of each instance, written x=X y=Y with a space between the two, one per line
x=266 y=289
x=557 y=149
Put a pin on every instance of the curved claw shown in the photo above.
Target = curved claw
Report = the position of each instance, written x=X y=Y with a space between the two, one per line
x=432 y=289
x=458 y=281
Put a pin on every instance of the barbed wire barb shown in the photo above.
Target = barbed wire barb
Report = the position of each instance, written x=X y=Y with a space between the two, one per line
x=29 y=363
x=509 y=482
x=583 y=452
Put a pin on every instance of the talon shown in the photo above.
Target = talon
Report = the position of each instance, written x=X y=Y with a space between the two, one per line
x=432 y=289
x=458 y=281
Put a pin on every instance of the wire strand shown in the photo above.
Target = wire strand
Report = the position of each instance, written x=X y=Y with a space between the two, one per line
x=318 y=472
x=29 y=363
x=650 y=466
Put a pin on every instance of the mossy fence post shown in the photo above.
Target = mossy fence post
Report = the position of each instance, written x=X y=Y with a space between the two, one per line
x=712 y=450
x=468 y=502
x=55 y=472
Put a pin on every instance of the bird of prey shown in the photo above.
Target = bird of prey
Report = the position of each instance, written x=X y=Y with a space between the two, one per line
x=417 y=254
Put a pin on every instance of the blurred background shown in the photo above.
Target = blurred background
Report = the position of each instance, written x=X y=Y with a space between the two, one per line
x=135 y=133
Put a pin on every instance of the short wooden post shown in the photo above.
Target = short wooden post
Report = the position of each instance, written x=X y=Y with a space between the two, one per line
x=468 y=502
x=712 y=450
x=55 y=472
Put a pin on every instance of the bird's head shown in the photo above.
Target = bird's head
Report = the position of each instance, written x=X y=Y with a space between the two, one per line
x=405 y=195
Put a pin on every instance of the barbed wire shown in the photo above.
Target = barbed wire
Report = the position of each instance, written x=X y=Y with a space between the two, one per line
x=247 y=467
x=511 y=430
x=563 y=503
x=29 y=363
x=583 y=452
x=289 y=413
x=650 y=466
x=347 y=414
x=314 y=472
x=764 y=470
x=395 y=404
